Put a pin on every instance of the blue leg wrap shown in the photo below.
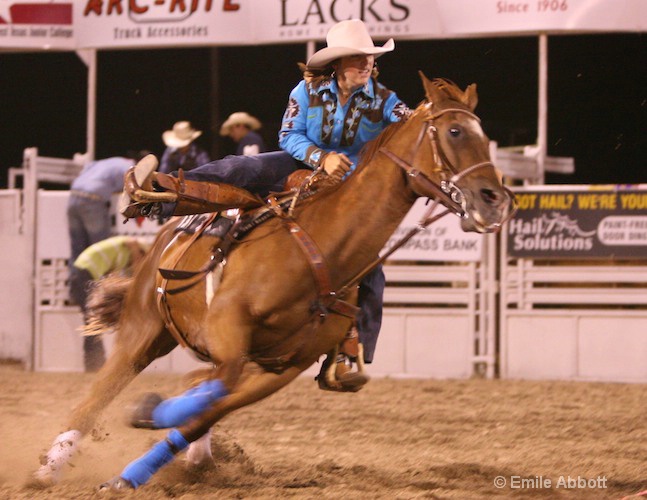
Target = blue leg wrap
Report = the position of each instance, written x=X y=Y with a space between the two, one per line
x=140 y=471
x=175 y=411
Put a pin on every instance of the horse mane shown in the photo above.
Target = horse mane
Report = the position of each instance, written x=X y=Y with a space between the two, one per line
x=449 y=88
x=370 y=148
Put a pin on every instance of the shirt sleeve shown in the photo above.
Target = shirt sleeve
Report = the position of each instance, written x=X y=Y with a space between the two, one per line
x=293 y=136
x=395 y=110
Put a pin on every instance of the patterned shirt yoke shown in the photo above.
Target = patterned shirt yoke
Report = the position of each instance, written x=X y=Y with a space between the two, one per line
x=315 y=122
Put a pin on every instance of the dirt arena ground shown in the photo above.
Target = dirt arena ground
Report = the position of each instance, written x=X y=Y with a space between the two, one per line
x=395 y=439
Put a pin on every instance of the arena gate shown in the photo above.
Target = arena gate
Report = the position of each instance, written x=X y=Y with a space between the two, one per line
x=574 y=285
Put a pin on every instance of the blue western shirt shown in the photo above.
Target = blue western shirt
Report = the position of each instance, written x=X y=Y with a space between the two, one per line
x=315 y=123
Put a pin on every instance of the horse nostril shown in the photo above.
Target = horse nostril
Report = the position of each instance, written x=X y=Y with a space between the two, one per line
x=490 y=196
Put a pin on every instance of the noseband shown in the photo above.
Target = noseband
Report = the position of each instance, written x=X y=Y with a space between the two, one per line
x=447 y=192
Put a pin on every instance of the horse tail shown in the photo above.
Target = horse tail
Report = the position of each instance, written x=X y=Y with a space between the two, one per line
x=105 y=303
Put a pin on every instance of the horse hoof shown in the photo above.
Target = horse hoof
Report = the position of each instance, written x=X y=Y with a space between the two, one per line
x=353 y=381
x=346 y=380
x=116 y=483
x=142 y=415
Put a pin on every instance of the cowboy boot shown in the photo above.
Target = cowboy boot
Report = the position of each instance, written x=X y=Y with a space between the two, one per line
x=337 y=372
x=139 y=176
x=145 y=190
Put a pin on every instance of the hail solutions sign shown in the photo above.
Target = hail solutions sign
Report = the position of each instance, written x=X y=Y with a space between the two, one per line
x=594 y=222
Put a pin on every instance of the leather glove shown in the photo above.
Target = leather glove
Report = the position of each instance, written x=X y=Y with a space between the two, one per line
x=336 y=165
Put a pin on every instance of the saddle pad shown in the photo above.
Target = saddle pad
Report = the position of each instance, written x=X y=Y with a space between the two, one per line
x=225 y=220
x=218 y=228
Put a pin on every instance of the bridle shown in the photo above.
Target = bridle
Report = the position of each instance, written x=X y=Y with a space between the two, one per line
x=447 y=191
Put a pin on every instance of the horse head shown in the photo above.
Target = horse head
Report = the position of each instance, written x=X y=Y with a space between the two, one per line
x=450 y=161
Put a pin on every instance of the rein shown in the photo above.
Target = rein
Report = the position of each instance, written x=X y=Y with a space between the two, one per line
x=426 y=220
x=446 y=193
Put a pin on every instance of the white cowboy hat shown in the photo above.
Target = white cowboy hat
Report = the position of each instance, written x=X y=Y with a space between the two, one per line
x=182 y=135
x=348 y=38
x=239 y=117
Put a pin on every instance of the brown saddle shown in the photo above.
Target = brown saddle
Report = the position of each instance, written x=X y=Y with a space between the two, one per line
x=308 y=180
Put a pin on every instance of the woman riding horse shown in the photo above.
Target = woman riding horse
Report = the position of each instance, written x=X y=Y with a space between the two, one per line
x=269 y=319
x=331 y=115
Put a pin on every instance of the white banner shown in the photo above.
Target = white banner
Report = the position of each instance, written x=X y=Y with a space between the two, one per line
x=443 y=240
x=302 y=20
x=107 y=24
x=37 y=24
x=165 y=23
x=490 y=17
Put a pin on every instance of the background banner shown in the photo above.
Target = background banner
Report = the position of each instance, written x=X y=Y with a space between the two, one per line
x=442 y=241
x=37 y=24
x=577 y=224
x=103 y=24
x=151 y=23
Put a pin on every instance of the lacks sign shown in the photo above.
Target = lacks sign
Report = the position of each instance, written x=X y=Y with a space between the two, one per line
x=596 y=223
x=36 y=23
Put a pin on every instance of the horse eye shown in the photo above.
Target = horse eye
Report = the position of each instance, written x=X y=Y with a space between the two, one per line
x=455 y=132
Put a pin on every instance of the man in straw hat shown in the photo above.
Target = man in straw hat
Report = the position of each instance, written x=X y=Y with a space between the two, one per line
x=331 y=114
x=241 y=128
x=181 y=150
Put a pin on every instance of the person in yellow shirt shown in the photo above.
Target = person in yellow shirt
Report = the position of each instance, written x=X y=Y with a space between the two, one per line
x=116 y=254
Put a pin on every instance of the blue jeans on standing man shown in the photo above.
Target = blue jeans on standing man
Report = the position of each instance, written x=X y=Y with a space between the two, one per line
x=88 y=222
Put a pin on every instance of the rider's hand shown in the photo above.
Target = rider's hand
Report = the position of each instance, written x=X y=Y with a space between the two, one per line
x=336 y=165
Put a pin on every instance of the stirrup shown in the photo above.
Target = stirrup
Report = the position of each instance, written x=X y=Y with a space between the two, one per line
x=337 y=373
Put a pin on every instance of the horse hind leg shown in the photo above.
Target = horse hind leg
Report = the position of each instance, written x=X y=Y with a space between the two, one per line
x=141 y=338
x=199 y=453
x=120 y=369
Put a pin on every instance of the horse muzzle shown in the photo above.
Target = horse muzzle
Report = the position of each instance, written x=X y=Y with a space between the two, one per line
x=487 y=209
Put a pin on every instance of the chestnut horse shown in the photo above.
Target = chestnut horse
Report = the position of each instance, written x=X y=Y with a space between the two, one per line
x=262 y=312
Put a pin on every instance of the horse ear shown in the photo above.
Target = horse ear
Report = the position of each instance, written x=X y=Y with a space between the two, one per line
x=430 y=88
x=470 y=98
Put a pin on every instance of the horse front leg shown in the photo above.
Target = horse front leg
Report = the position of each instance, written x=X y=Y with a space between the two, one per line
x=227 y=341
x=119 y=370
x=253 y=388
